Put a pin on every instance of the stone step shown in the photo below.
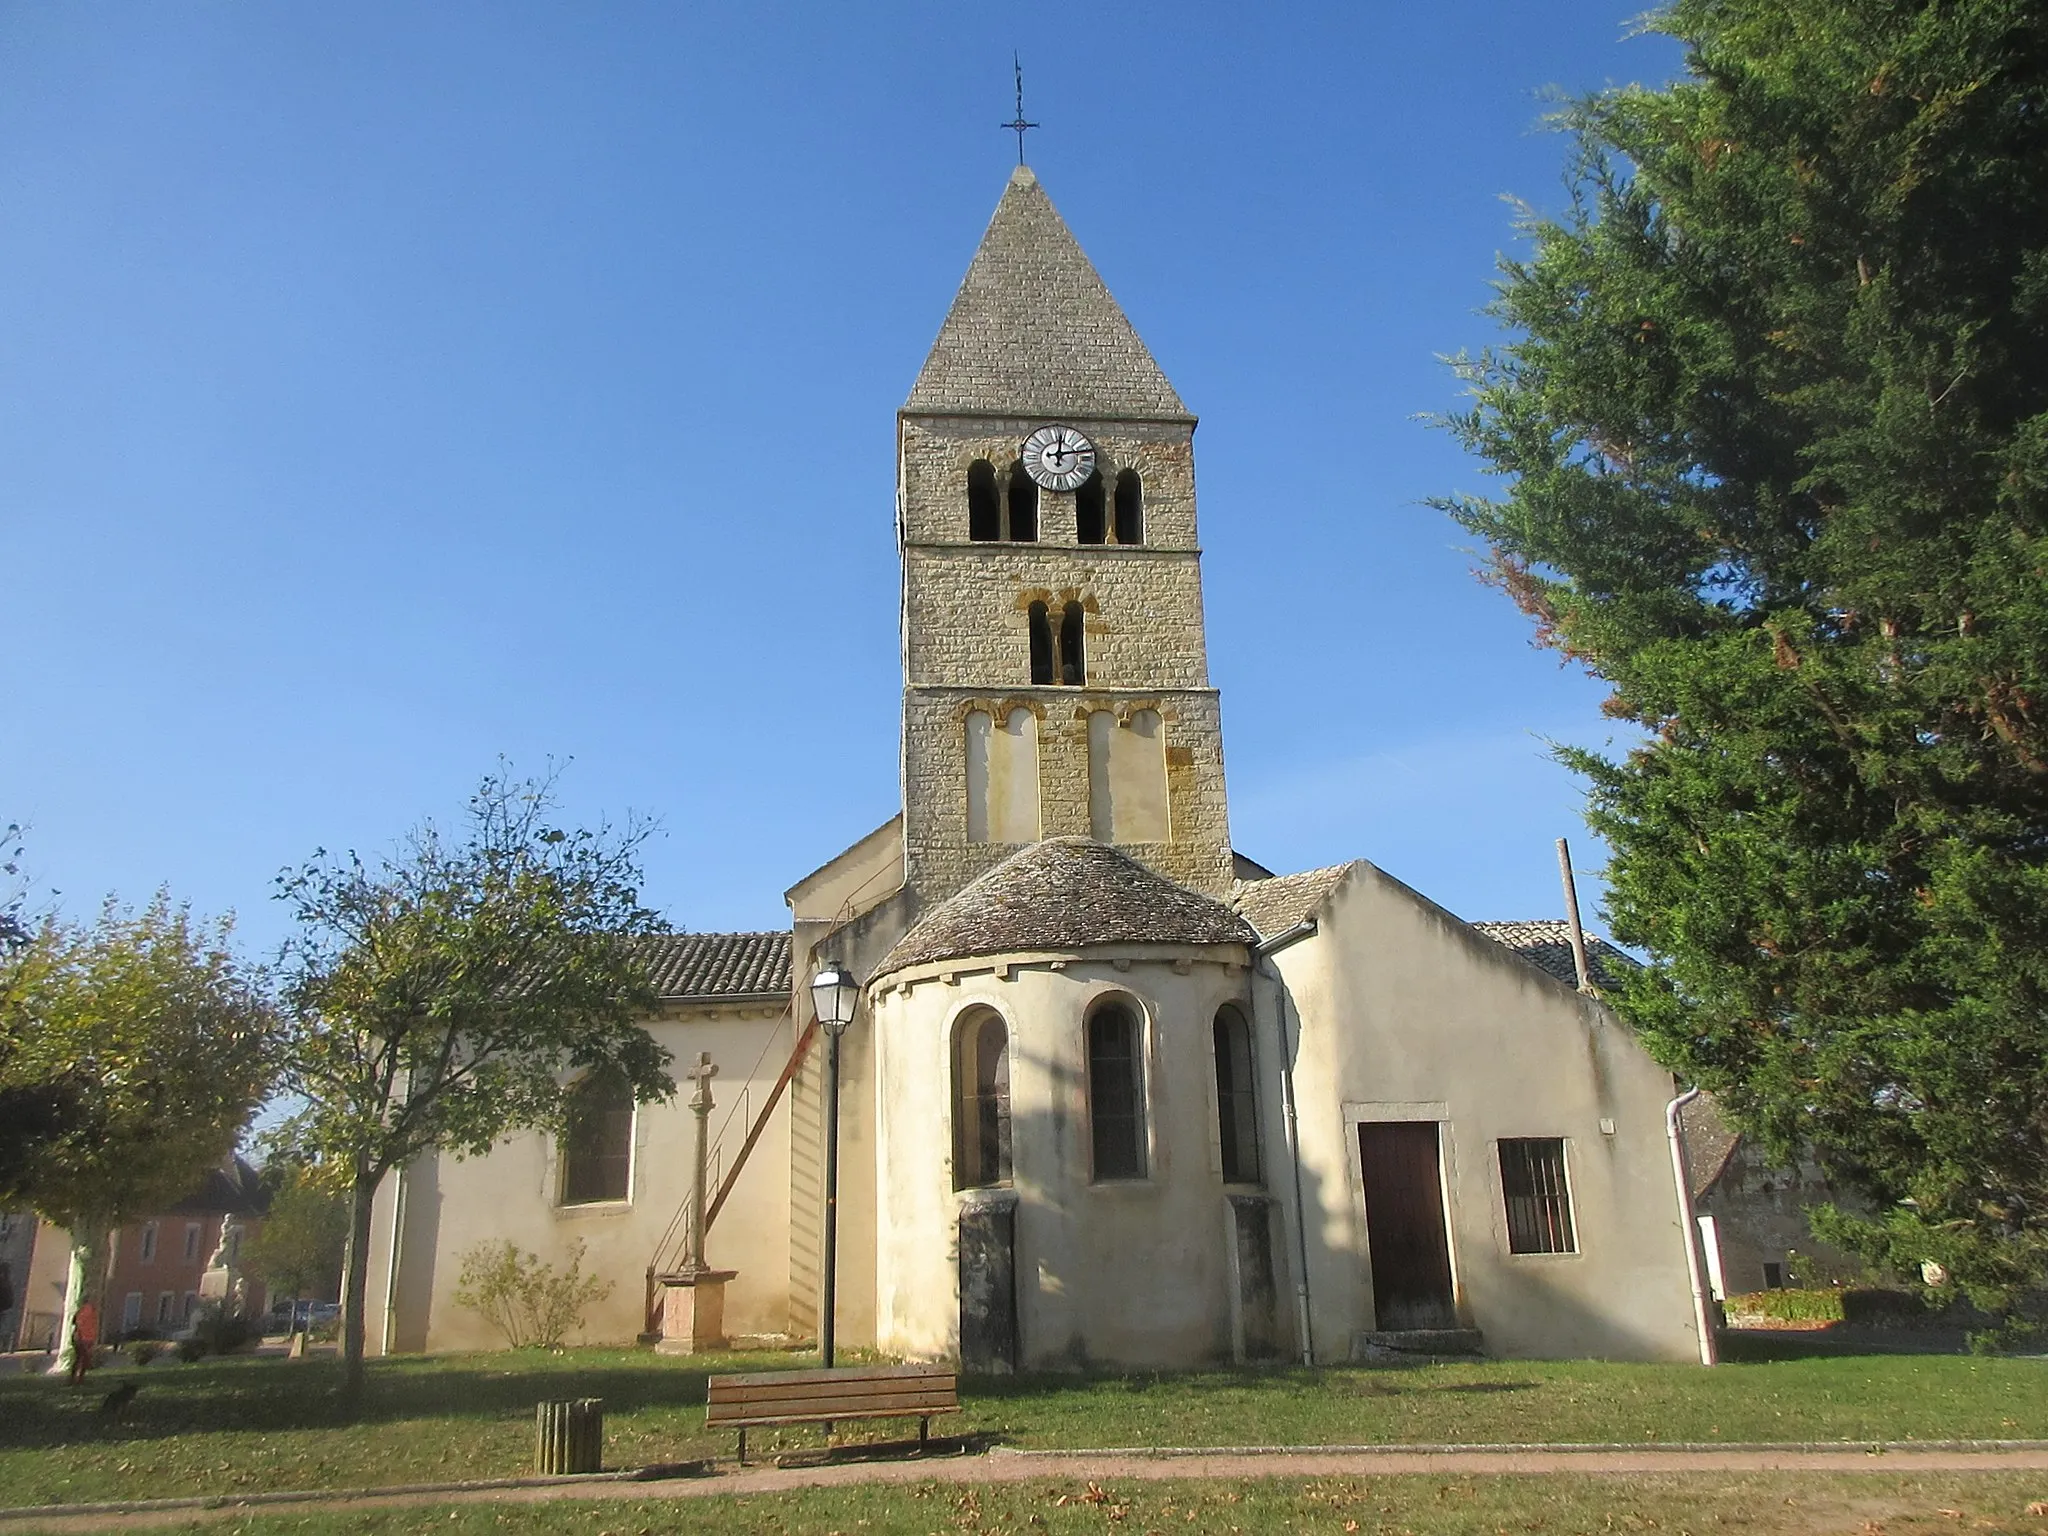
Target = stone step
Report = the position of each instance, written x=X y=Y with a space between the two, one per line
x=1409 y=1342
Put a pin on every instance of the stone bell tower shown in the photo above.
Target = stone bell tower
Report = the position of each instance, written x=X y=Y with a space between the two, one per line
x=1056 y=679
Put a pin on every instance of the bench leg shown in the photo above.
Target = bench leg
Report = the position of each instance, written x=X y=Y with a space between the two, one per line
x=743 y=1447
x=924 y=1431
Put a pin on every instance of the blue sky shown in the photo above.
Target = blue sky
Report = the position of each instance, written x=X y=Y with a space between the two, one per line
x=385 y=388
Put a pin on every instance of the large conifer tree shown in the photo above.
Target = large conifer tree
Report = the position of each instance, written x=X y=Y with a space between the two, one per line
x=1775 y=421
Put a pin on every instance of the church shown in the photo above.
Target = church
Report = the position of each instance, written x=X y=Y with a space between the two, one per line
x=1113 y=1094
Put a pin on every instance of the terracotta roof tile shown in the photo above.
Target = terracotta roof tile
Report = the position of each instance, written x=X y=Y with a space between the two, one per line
x=1546 y=944
x=719 y=965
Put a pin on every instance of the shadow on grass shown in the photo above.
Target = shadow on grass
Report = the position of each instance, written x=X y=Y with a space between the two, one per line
x=276 y=1396
x=1393 y=1378
x=1761 y=1346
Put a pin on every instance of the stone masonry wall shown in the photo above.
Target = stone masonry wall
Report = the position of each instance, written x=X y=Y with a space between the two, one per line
x=933 y=458
x=967 y=646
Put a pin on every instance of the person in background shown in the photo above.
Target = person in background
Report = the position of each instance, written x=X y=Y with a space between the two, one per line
x=85 y=1337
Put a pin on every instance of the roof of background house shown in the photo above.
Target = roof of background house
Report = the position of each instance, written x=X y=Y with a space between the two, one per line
x=234 y=1186
x=690 y=966
x=1065 y=893
x=1546 y=943
x=1033 y=330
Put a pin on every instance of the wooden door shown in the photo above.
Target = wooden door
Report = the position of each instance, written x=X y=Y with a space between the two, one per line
x=1404 y=1224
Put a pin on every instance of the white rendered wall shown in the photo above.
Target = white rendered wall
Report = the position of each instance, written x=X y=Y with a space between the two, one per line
x=1132 y=1272
x=452 y=1204
x=1406 y=1014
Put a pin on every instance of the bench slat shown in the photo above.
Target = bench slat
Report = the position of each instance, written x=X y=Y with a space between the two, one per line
x=824 y=1407
x=829 y=1415
x=834 y=1377
x=830 y=1389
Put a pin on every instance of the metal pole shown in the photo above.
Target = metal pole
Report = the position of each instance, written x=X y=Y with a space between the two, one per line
x=831 y=1198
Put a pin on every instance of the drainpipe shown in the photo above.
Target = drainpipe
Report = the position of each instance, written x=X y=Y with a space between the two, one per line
x=1702 y=1315
x=391 y=1266
x=1266 y=950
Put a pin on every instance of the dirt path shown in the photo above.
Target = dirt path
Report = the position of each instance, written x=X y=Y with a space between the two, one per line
x=1105 y=1467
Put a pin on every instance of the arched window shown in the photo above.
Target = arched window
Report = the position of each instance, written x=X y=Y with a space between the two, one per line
x=1041 y=644
x=981 y=1101
x=984 y=512
x=1116 y=1092
x=1073 y=660
x=1023 y=505
x=1236 y=1098
x=1130 y=507
x=1091 y=523
x=597 y=1151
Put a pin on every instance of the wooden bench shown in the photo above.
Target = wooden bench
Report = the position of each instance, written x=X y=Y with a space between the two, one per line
x=826 y=1397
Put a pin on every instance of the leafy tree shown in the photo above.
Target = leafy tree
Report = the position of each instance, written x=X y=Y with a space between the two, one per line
x=149 y=1046
x=445 y=997
x=299 y=1247
x=1776 y=420
x=31 y=1113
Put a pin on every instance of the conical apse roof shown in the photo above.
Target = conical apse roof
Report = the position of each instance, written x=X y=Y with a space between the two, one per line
x=1061 y=894
x=1033 y=331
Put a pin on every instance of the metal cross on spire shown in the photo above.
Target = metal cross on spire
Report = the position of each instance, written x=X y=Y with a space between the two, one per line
x=1019 y=125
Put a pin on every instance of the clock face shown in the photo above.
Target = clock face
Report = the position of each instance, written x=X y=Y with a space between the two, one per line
x=1058 y=458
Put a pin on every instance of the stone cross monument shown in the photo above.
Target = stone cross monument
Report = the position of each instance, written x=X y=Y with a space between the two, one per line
x=693 y=1297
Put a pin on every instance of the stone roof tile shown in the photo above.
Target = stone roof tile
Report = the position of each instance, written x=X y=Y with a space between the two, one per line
x=1061 y=894
x=1277 y=904
x=687 y=966
x=1034 y=331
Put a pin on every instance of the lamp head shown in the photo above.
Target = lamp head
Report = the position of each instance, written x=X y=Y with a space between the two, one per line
x=835 y=995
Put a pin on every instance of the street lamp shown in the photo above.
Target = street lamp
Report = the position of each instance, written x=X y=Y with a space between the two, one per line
x=834 y=996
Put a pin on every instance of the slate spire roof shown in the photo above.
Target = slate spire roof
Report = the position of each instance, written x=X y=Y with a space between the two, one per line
x=1061 y=894
x=1034 y=332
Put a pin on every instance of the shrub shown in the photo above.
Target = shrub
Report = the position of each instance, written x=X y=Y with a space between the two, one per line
x=145 y=1350
x=524 y=1298
x=217 y=1331
x=1788 y=1306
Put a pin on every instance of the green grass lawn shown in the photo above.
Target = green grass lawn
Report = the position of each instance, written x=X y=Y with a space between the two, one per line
x=229 y=1425
x=1856 y=1505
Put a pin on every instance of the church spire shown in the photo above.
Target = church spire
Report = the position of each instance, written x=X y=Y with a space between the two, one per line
x=1034 y=332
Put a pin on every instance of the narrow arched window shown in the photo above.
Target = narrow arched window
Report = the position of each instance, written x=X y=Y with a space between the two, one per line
x=1073 y=659
x=1041 y=644
x=1023 y=505
x=1116 y=1092
x=597 y=1149
x=1130 y=507
x=1236 y=1098
x=981 y=1101
x=1091 y=522
x=984 y=512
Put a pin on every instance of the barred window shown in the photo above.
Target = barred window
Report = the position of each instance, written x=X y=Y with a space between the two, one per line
x=597 y=1154
x=1538 y=1201
x=1116 y=1092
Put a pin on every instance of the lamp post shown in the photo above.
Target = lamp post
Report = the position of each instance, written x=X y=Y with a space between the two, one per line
x=835 y=995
